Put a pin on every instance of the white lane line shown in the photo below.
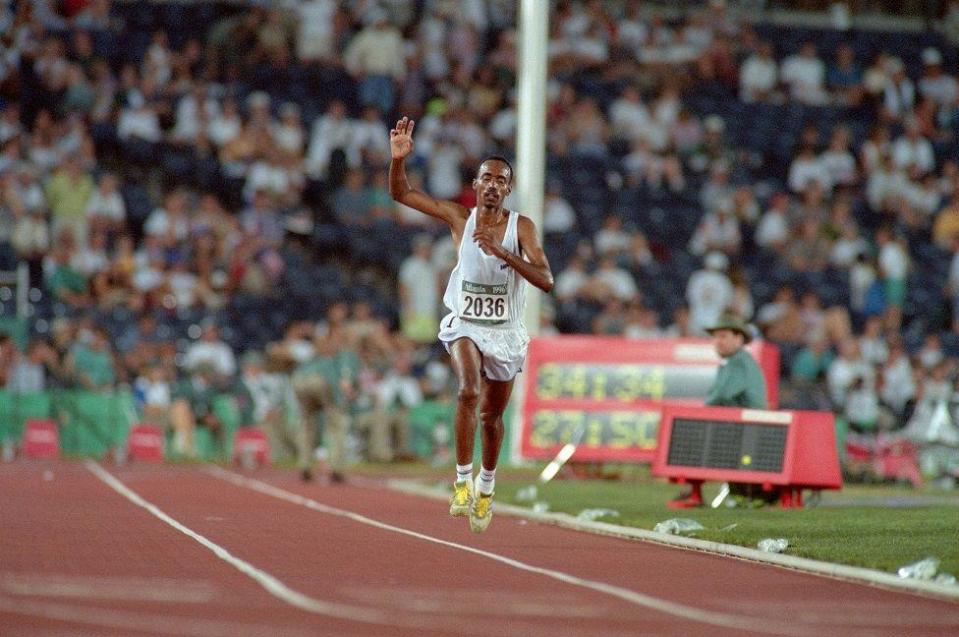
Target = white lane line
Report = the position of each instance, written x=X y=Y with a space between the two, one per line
x=274 y=586
x=150 y=623
x=703 y=616
x=830 y=570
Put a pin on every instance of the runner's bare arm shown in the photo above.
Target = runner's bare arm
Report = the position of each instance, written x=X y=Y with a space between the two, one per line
x=534 y=268
x=401 y=145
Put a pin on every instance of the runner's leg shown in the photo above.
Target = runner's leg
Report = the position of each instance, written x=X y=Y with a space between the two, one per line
x=467 y=363
x=493 y=403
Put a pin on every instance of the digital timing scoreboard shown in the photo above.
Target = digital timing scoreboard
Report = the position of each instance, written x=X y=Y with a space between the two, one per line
x=608 y=392
x=783 y=451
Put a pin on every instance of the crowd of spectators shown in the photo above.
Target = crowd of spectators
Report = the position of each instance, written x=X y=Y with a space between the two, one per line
x=167 y=166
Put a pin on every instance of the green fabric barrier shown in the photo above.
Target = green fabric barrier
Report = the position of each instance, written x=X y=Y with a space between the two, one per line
x=208 y=445
x=842 y=430
x=423 y=421
x=6 y=416
x=427 y=415
x=17 y=329
x=92 y=423
x=226 y=409
x=17 y=409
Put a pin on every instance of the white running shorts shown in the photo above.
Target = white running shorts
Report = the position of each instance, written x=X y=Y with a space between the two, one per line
x=503 y=346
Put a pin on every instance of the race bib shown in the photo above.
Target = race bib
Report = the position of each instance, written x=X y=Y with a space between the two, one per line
x=482 y=303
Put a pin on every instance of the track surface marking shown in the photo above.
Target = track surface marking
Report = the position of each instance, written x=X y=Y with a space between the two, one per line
x=648 y=601
x=390 y=556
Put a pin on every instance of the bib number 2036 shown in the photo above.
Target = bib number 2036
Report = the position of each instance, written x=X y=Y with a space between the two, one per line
x=479 y=302
x=484 y=307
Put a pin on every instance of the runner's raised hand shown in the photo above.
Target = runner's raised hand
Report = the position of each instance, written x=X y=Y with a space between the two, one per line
x=401 y=138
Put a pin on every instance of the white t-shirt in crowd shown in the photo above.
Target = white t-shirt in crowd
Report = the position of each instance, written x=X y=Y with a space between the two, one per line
x=110 y=206
x=619 y=281
x=805 y=77
x=805 y=170
x=893 y=261
x=183 y=286
x=629 y=119
x=842 y=373
x=607 y=241
x=773 y=228
x=187 y=125
x=716 y=233
x=899 y=384
x=314 y=37
x=330 y=134
x=140 y=123
x=224 y=129
x=419 y=277
x=708 y=293
x=757 y=76
x=503 y=125
x=558 y=215
x=840 y=165
x=88 y=261
x=155 y=393
x=148 y=278
x=216 y=353
x=394 y=388
x=908 y=153
x=570 y=283
x=159 y=224
x=845 y=251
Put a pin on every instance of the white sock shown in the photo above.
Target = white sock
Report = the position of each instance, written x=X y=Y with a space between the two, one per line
x=464 y=472
x=487 y=480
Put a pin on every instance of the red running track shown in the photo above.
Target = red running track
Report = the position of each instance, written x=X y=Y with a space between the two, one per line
x=159 y=550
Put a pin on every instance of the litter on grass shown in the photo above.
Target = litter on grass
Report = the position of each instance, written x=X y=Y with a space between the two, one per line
x=945 y=578
x=540 y=507
x=773 y=545
x=678 y=526
x=925 y=569
x=526 y=494
x=594 y=514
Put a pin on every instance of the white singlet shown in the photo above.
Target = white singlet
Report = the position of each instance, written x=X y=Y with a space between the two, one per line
x=486 y=298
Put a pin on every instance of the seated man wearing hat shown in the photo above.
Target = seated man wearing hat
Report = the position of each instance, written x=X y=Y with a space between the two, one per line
x=739 y=383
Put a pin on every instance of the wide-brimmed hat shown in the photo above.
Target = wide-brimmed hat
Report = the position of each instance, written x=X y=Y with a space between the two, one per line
x=734 y=323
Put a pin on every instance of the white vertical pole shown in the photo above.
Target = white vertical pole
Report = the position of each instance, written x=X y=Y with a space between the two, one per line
x=531 y=141
x=530 y=154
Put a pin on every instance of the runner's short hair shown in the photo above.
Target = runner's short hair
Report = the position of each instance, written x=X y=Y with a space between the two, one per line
x=502 y=159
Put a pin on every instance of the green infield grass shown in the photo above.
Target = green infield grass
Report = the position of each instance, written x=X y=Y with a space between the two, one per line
x=875 y=526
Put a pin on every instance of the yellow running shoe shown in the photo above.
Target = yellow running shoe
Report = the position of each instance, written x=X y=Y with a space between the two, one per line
x=481 y=513
x=462 y=498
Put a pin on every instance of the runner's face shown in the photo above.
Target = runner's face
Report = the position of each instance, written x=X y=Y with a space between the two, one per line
x=492 y=184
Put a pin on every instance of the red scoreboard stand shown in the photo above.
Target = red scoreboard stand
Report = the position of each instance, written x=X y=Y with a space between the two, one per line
x=785 y=451
x=608 y=392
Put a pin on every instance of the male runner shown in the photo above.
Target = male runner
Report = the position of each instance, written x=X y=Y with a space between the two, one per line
x=484 y=331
